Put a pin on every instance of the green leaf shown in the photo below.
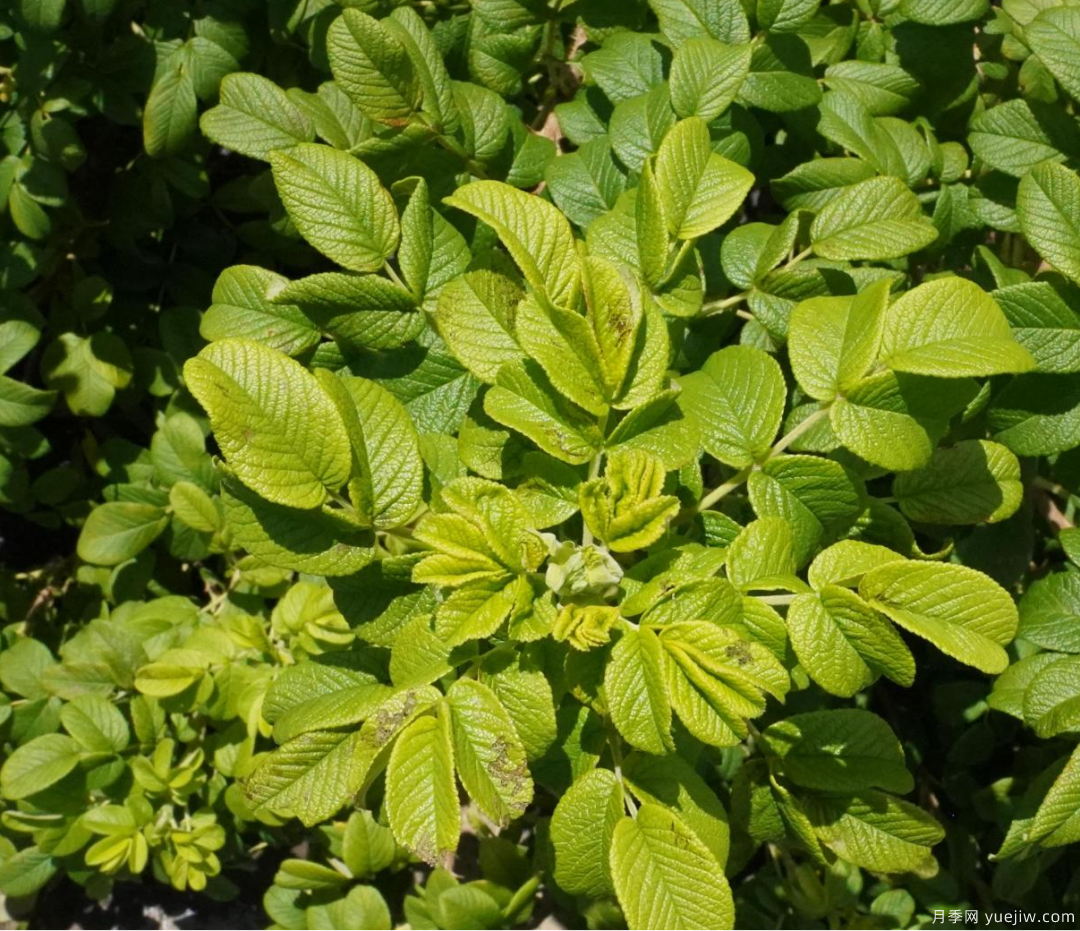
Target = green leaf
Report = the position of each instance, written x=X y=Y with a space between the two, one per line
x=277 y=428
x=816 y=496
x=482 y=535
x=876 y=831
x=650 y=227
x=661 y=428
x=700 y=190
x=1044 y=323
x=626 y=65
x=706 y=76
x=387 y=479
x=665 y=877
x=254 y=117
x=847 y=121
x=833 y=341
x=367 y=847
x=785 y=15
x=844 y=644
x=625 y=508
x=1054 y=35
x=524 y=400
x=1048 y=204
x=117 y=531
x=1037 y=415
x=534 y=232
x=969 y=483
x=337 y=204
x=738 y=398
x=895 y=420
x=944 y=12
x=781 y=77
x=475 y=612
x=1017 y=135
x=1011 y=686
x=525 y=692
x=716 y=679
x=87 y=370
x=421 y=796
x=171 y=114
x=245 y=305
x=359 y=311
x=952 y=328
x=586 y=183
x=489 y=755
x=172 y=672
x=424 y=53
x=311 y=540
x=874 y=219
x=846 y=562
x=26 y=872
x=96 y=724
x=881 y=88
x=682 y=20
x=1057 y=821
x=566 y=347
x=843 y=750
x=762 y=555
x=37 y=765
x=1049 y=611
x=637 y=693
x=372 y=66
x=319 y=695
x=1051 y=703
x=476 y=316
x=27 y=214
x=21 y=404
x=671 y=782
x=813 y=184
x=638 y=126
x=582 y=827
x=310 y=777
x=361 y=907
x=964 y=613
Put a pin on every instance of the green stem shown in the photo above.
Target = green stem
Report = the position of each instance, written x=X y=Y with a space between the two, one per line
x=393 y=275
x=795 y=260
x=615 y=742
x=798 y=430
x=677 y=259
x=725 y=303
x=451 y=145
x=594 y=473
x=716 y=307
x=739 y=478
x=717 y=494
x=1059 y=491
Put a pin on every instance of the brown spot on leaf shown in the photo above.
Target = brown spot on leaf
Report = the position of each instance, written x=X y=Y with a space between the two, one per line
x=739 y=652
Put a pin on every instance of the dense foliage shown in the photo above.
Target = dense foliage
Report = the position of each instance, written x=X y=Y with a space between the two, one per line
x=602 y=461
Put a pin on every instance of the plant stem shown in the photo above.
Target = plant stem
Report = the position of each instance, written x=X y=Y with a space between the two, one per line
x=739 y=478
x=795 y=260
x=1059 y=491
x=615 y=742
x=594 y=473
x=677 y=259
x=718 y=306
x=393 y=275
x=798 y=430
x=724 y=303
x=736 y=481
